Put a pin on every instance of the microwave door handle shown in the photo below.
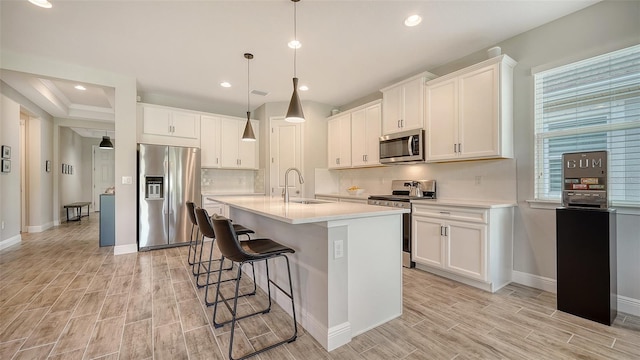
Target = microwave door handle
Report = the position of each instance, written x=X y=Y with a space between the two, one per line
x=409 y=147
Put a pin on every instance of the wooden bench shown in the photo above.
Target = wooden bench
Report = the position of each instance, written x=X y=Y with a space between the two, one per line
x=77 y=206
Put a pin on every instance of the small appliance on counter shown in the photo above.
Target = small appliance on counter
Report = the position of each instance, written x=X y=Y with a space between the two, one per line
x=586 y=240
x=402 y=193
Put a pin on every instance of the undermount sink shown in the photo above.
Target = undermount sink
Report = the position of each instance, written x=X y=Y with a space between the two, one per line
x=309 y=201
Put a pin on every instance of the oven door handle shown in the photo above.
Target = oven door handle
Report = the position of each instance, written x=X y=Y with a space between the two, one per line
x=409 y=145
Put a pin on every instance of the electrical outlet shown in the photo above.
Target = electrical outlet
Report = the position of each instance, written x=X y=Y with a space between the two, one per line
x=338 y=249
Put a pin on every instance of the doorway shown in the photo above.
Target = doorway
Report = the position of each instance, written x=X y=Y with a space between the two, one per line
x=103 y=176
x=285 y=152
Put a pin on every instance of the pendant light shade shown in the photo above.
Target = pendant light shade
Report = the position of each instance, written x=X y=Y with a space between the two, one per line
x=248 y=134
x=106 y=143
x=295 y=113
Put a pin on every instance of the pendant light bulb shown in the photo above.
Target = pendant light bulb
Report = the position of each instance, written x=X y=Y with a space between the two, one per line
x=248 y=134
x=295 y=113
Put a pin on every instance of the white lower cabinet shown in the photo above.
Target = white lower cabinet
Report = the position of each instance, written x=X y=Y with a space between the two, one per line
x=214 y=207
x=468 y=244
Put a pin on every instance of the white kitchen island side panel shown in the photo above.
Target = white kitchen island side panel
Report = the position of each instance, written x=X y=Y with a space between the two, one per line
x=336 y=298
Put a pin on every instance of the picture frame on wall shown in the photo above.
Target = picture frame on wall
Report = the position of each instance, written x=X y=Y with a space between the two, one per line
x=6 y=152
x=6 y=166
x=64 y=168
x=47 y=166
x=70 y=169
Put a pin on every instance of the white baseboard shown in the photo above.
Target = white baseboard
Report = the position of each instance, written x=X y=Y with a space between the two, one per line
x=535 y=281
x=10 y=241
x=629 y=305
x=40 y=228
x=338 y=335
x=625 y=304
x=125 y=249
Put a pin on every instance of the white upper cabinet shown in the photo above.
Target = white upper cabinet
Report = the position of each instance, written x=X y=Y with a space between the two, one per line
x=235 y=153
x=168 y=126
x=365 y=136
x=403 y=105
x=339 y=141
x=469 y=113
x=210 y=141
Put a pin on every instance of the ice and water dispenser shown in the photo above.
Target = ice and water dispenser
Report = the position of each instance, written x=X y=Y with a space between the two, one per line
x=586 y=240
x=154 y=187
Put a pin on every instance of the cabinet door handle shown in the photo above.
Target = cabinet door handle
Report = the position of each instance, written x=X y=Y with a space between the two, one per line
x=455 y=148
x=399 y=123
x=446 y=231
x=216 y=161
x=338 y=161
x=459 y=147
x=441 y=230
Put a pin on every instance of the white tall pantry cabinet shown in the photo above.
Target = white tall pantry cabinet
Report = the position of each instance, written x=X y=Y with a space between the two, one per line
x=469 y=113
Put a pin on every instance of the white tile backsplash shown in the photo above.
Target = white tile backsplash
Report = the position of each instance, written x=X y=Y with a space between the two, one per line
x=470 y=180
x=232 y=181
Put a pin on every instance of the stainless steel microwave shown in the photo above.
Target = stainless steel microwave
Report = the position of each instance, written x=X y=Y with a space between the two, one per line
x=402 y=147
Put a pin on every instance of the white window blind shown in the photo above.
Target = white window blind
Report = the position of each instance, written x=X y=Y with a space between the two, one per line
x=590 y=105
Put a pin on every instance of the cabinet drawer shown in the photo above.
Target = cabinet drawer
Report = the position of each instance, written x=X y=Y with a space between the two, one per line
x=452 y=213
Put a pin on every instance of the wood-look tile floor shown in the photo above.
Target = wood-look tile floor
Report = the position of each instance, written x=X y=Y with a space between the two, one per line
x=63 y=297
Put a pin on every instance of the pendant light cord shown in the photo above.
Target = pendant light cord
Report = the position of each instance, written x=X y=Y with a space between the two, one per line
x=295 y=37
x=248 y=87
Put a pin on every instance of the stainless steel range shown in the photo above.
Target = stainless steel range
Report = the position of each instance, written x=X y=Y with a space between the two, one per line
x=403 y=192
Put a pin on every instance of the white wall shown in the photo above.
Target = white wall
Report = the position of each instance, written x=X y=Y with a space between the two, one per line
x=601 y=28
x=314 y=139
x=39 y=136
x=10 y=182
x=604 y=27
x=125 y=127
x=70 y=185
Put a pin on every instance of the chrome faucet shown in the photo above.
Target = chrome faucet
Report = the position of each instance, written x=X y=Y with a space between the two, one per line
x=286 y=182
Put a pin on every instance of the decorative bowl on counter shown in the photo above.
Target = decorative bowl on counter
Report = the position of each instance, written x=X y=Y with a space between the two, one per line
x=355 y=191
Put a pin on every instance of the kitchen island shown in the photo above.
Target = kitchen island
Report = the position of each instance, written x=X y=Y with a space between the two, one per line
x=347 y=268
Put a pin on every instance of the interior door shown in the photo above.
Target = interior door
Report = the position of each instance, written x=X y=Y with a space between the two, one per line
x=103 y=173
x=285 y=152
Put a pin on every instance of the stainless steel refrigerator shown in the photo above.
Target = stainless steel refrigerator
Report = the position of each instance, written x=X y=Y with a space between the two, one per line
x=168 y=176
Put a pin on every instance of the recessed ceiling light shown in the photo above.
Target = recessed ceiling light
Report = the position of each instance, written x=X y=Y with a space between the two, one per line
x=42 y=3
x=295 y=44
x=412 y=20
x=303 y=88
x=80 y=87
x=225 y=84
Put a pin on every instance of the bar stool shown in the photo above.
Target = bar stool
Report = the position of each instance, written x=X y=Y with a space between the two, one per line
x=206 y=229
x=249 y=252
x=193 y=240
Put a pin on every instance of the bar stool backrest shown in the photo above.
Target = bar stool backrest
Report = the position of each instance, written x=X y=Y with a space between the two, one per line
x=204 y=223
x=227 y=240
x=191 y=209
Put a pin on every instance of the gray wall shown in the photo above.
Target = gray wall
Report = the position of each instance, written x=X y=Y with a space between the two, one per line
x=604 y=27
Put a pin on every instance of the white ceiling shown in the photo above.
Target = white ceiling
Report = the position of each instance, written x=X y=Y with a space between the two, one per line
x=184 y=49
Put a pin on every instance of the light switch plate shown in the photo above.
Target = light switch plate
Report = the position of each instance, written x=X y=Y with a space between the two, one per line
x=127 y=180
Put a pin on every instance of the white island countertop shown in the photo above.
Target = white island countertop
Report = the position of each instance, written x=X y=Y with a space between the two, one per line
x=295 y=212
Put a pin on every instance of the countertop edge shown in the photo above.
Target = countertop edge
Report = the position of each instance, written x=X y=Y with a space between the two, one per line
x=327 y=218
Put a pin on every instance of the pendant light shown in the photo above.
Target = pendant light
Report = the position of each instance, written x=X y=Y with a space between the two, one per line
x=248 y=134
x=295 y=113
x=106 y=143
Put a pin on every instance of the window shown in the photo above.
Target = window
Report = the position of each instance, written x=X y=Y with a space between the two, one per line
x=588 y=106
